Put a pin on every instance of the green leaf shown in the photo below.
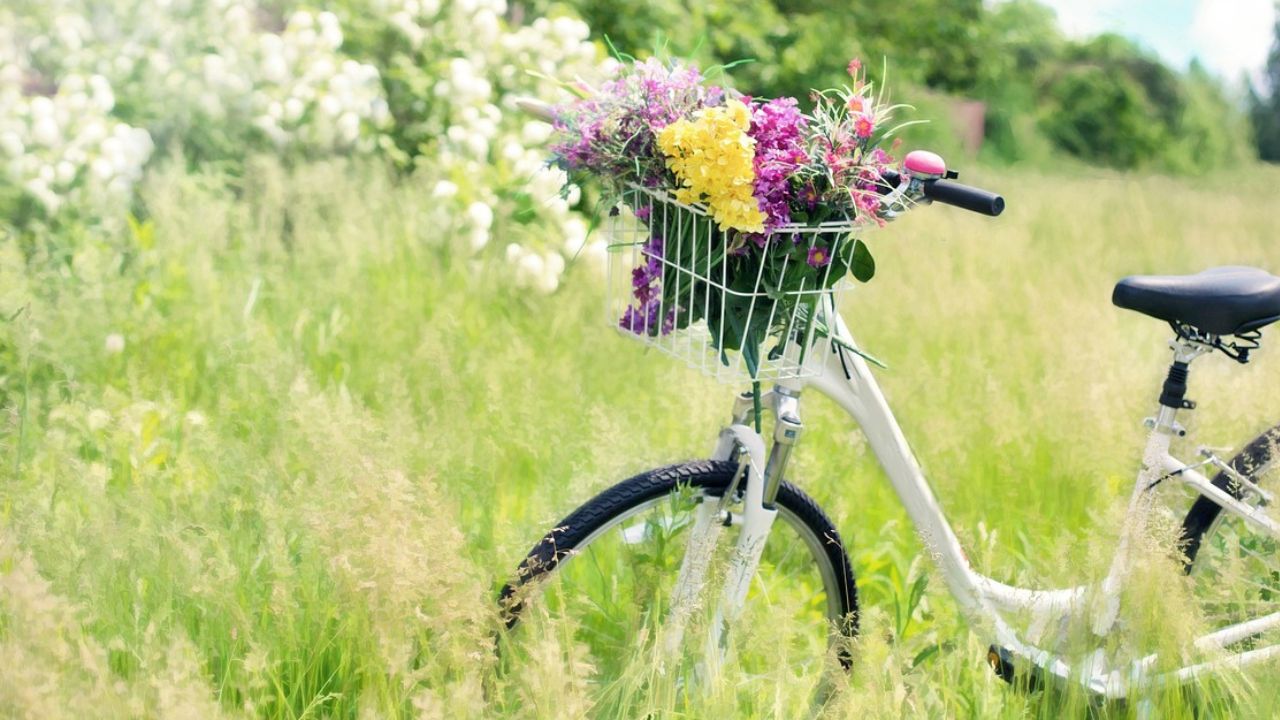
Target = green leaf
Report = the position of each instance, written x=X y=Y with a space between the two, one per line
x=860 y=353
x=751 y=355
x=770 y=290
x=863 y=265
x=924 y=655
x=143 y=231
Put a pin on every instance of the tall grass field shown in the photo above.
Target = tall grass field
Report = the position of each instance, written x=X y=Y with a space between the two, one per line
x=271 y=449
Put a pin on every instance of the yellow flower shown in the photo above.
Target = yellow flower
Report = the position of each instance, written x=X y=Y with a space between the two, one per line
x=713 y=159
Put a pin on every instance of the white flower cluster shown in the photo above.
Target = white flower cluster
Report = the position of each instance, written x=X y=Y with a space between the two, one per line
x=219 y=78
x=305 y=92
x=195 y=71
x=481 y=66
x=66 y=148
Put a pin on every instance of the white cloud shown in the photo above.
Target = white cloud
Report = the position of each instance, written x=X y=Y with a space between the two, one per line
x=1233 y=36
x=1081 y=18
x=1229 y=36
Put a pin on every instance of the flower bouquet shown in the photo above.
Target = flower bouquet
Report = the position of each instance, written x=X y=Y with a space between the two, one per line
x=743 y=212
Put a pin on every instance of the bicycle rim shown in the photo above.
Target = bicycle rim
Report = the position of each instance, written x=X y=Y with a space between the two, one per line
x=610 y=599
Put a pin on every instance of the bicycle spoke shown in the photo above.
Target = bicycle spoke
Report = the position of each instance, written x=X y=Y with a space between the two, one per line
x=1236 y=573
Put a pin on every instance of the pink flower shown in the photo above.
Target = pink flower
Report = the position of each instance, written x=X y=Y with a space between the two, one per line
x=854 y=66
x=855 y=103
x=863 y=126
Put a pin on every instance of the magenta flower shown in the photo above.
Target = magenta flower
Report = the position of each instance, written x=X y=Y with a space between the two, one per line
x=868 y=201
x=881 y=159
x=863 y=126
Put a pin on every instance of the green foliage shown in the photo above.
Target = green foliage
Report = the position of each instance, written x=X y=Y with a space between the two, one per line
x=1098 y=115
x=1108 y=102
x=1208 y=136
x=270 y=451
x=1025 y=40
x=1103 y=100
x=1264 y=105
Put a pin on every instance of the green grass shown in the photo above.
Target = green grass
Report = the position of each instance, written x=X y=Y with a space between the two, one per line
x=331 y=434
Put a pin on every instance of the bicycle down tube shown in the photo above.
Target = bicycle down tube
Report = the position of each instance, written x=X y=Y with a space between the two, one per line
x=849 y=383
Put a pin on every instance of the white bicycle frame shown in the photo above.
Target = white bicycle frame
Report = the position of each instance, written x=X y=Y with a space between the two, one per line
x=845 y=377
x=847 y=380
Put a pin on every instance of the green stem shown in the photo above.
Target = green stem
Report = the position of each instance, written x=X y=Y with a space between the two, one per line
x=755 y=402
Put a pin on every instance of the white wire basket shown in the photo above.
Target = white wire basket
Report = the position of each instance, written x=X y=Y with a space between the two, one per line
x=668 y=288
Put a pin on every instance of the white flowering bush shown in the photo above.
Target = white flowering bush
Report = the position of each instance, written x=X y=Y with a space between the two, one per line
x=210 y=73
x=305 y=94
x=100 y=87
x=66 y=148
x=97 y=85
x=452 y=72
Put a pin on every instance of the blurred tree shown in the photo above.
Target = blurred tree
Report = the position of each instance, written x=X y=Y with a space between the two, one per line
x=1026 y=44
x=1108 y=103
x=1104 y=100
x=941 y=43
x=1264 y=104
x=1102 y=116
x=1207 y=135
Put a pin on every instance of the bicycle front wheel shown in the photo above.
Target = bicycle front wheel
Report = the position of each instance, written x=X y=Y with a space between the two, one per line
x=606 y=575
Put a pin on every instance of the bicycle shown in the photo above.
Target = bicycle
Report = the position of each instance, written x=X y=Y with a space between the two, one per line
x=637 y=561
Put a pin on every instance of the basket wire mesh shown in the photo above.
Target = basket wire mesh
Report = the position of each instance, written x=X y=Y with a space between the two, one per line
x=670 y=288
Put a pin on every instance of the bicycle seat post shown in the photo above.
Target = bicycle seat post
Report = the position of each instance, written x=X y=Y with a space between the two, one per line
x=1173 y=394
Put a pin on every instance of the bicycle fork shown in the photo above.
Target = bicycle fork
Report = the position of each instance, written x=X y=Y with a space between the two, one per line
x=757 y=481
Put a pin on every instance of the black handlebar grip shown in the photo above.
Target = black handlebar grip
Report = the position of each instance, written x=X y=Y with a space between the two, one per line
x=962 y=196
x=949 y=193
x=888 y=181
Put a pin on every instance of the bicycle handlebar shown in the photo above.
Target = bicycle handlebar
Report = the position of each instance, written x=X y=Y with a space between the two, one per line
x=949 y=192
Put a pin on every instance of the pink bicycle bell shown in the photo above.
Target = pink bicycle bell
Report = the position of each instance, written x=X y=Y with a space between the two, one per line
x=925 y=165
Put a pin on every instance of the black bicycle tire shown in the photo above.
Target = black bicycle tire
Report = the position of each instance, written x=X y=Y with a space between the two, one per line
x=1259 y=453
x=710 y=475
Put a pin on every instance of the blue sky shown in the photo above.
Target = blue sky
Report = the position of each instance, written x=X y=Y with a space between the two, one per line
x=1229 y=36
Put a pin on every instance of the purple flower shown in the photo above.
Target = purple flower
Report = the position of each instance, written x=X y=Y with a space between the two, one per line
x=810 y=196
x=642 y=284
x=646 y=288
x=778 y=129
x=643 y=320
x=819 y=256
x=613 y=134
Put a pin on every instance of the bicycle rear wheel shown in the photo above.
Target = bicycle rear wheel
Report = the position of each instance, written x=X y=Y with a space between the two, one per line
x=1235 y=569
x=606 y=575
